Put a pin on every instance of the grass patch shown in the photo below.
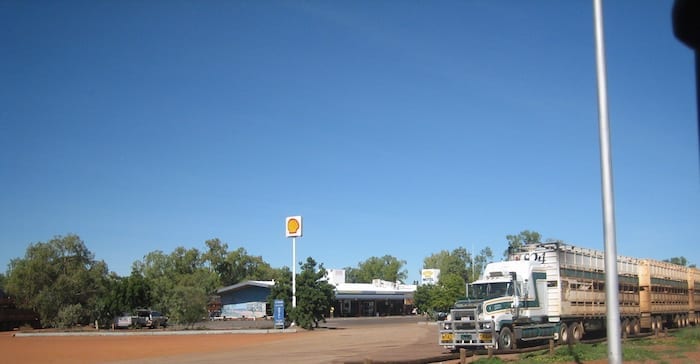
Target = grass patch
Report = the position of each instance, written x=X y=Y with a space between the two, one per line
x=581 y=353
x=489 y=361
x=687 y=339
x=648 y=350
x=573 y=353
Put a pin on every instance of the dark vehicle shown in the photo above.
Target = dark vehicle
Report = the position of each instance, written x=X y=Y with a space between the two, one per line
x=12 y=317
x=150 y=319
x=141 y=318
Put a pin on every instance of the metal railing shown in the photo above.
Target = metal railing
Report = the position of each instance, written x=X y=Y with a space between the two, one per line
x=464 y=329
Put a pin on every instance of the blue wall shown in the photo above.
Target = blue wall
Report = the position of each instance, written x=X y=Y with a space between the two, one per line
x=244 y=295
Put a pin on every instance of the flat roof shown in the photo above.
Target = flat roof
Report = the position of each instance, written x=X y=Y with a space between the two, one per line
x=241 y=285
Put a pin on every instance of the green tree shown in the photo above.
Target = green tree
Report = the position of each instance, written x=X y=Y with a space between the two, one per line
x=59 y=273
x=282 y=290
x=351 y=275
x=484 y=257
x=70 y=315
x=387 y=268
x=236 y=266
x=451 y=288
x=459 y=262
x=124 y=294
x=525 y=237
x=188 y=303
x=215 y=256
x=135 y=291
x=170 y=277
x=424 y=296
x=157 y=269
x=314 y=295
x=440 y=297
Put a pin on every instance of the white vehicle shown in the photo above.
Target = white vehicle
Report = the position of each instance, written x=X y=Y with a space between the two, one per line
x=123 y=321
x=557 y=291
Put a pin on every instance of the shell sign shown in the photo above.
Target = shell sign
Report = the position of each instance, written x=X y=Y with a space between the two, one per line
x=293 y=227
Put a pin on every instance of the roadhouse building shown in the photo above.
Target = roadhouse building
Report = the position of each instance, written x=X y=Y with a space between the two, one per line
x=380 y=298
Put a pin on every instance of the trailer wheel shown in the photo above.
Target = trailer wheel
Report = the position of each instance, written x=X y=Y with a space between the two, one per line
x=656 y=324
x=563 y=333
x=506 y=339
x=576 y=332
x=625 y=328
x=636 y=327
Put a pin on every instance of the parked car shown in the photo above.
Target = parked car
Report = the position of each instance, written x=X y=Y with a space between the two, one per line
x=124 y=321
x=141 y=318
x=150 y=319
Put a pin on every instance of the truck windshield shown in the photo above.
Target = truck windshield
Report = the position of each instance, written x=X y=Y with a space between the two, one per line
x=484 y=291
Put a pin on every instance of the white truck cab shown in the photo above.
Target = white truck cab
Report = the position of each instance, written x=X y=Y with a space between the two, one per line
x=501 y=307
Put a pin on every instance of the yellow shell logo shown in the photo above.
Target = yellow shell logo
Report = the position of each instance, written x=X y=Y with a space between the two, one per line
x=293 y=226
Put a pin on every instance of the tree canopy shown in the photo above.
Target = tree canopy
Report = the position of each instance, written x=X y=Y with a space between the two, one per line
x=388 y=268
x=456 y=269
x=314 y=295
x=459 y=262
x=515 y=242
x=235 y=266
x=440 y=297
x=60 y=279
x=180 y=283
x=66 y=285
x=680 y=261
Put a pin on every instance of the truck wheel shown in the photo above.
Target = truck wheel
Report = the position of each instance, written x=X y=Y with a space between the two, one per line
x=656 y=324
x=575 y=332
x=636 y=327
x=563 y=333
x=625 y=328
x=506 y=339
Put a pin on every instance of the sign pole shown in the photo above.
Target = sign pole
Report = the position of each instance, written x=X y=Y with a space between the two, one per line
x=294 y=272
x=293 y=229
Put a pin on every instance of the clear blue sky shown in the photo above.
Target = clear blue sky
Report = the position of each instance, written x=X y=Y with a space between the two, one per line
x=393 y=127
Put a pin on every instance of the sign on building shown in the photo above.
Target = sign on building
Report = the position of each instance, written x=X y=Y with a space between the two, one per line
x=429 y=276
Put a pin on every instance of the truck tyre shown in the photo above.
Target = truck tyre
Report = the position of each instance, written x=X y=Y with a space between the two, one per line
x=506 y=339
x=655 y=324
x=563 y=333
x=636 y=327
x=575 y=332
x=625 y=328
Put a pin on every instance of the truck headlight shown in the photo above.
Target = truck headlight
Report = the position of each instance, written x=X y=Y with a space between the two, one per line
x=487 y=326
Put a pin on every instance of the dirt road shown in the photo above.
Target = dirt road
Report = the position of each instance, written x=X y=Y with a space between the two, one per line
x=394 y=341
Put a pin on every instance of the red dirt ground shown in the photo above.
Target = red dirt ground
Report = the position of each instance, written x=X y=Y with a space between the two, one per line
x=92 y=349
